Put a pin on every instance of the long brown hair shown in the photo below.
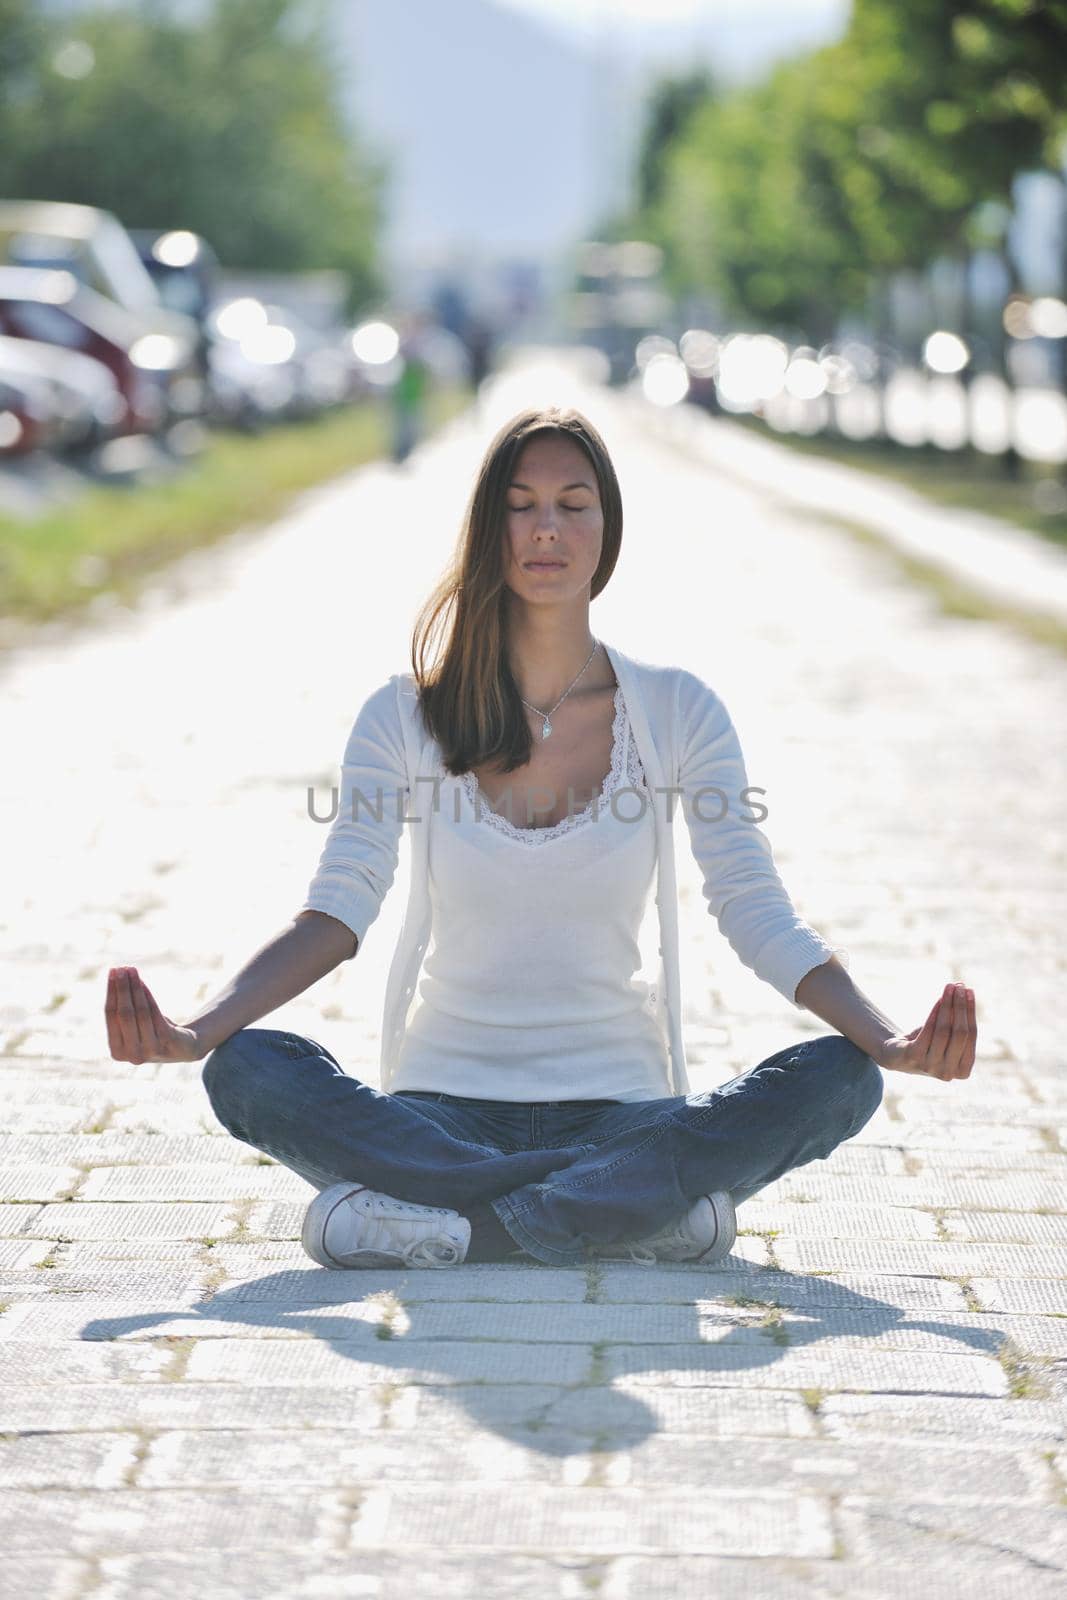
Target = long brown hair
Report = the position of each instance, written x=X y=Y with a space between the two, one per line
x=468 y=696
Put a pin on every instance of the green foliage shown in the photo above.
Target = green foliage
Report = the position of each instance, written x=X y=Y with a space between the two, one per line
x=232 y=127
x=671 y=105
x=791 y=197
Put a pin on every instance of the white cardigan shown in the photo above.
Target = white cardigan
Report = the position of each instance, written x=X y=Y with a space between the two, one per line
x=687 y=743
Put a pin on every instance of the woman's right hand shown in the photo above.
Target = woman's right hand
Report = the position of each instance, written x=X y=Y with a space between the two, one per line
x=137 y=1030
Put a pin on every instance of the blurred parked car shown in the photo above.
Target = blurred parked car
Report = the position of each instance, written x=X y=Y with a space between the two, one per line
x=150 y=370
x=82 y=395
x=27 y=422
x=184 y=269
x=287 y=367
x=93 y=249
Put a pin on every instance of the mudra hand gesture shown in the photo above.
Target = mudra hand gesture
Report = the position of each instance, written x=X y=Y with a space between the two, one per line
x=944 y=1046
x=137 y=1030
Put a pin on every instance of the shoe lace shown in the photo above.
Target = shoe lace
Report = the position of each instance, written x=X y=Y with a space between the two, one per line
x=642 y=1255
x=438 y=1252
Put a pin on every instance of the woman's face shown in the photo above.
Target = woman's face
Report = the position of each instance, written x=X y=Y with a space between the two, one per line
x=553 y=515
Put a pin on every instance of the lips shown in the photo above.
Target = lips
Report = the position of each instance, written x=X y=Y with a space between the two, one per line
x=545 y=564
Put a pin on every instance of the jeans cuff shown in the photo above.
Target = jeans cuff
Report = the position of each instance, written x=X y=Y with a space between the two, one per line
x=530 y=1243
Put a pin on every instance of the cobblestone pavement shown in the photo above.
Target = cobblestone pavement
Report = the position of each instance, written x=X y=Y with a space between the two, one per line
x=866 y=1399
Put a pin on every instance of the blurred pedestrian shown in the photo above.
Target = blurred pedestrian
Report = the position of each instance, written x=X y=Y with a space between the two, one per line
x=409 y=395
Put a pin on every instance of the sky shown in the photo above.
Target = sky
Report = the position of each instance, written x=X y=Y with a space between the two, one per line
x=511 y=126
x=742 y=35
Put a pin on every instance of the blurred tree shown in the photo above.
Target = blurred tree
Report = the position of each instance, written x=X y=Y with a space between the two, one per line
x=752 y=211
x=931 y=109
x=791 y=197
x=670 y=107
x=231 y=127
x=22 y=40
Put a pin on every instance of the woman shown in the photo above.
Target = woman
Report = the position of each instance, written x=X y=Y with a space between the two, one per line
x=537 y=1100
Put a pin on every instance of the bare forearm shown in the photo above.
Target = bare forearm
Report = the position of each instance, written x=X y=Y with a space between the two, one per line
x=831 y=994
x=284 y=967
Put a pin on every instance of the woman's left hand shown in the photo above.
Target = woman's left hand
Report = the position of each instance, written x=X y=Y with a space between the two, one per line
x=944 y=1046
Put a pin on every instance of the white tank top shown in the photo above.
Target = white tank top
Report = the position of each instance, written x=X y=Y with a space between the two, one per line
x=528 y=990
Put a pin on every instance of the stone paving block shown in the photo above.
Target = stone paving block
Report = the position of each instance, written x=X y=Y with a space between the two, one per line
x=967 y=1114
x=40 y=1087
x=55 y=1117
x=182 y=1288
x=15 y=1220
x=1048 y=1086
x=54 y=1321
x=681 y=1282
x=961 y=1539
x=847 y=1329
x=952 y=1258
x=186 y=1404
x=599 y=1408
x=339 y=1458
x=610 y=1521
x=477 y=1283
x=136 y=1521
x=697 y=1577
x=266 y=1362
x=16 y=1255
x=317 y=1574
x=267 y=1258
x=278 y=1219
x=920 y=1137
x=958 y=1421
x=67 y=1460
x=130 y=1257
x=1015 y=1193
x=211 y=1181
x=825 y=1220
x=113 y=1149
x=86 y=1220
x=37 y=1183
x=869 y=1160
x=901 y=1469
x=45 y=1577
x=950 y=1330
x=966 y=1163
x=102 y=1362
x=1008 y=1227
x=577 y=1324
x=867 y=1290
x=181 y=1121
x=1018 y=1294
x=826 y=1367
x=1033 y=1336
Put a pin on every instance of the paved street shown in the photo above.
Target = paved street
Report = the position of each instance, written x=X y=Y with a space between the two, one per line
x=869 y=1398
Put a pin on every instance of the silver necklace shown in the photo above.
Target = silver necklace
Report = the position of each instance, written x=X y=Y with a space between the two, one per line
x=547 y=729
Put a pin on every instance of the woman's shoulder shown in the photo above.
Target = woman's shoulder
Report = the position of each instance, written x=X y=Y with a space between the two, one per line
x=389 y=704
x=667 y=681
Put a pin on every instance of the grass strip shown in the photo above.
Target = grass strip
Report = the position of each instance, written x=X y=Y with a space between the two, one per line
x=111 y=538
x=966 y=478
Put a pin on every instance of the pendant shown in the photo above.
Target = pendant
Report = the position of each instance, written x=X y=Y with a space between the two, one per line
x=547 y=729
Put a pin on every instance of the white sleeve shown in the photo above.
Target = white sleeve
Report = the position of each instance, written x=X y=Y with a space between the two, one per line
x=744 y=892
x=359 y=858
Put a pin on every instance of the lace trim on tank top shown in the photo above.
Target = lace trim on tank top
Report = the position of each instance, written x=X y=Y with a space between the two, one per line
x=626 y=769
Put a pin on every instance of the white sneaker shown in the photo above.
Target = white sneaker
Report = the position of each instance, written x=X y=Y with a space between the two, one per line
x=349 y=1225
x=706 y=1233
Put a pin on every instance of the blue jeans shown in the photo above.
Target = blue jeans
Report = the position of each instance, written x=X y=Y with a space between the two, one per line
x=561 y=1175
